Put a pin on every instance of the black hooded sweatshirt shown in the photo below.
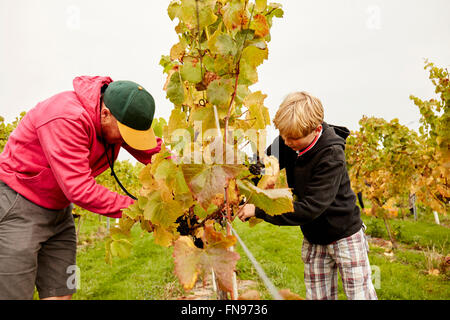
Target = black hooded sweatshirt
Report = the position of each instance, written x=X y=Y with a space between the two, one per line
x=326 y=208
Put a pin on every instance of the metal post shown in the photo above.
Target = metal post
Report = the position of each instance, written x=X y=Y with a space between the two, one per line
x=436 y=217
x=412 y=200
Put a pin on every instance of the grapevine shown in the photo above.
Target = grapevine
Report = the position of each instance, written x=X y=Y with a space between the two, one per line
x=193 y=188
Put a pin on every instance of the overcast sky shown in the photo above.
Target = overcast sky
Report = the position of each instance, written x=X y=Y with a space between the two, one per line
x=360 y=57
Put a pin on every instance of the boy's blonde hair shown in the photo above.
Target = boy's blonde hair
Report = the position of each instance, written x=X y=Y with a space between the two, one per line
x=298 y=115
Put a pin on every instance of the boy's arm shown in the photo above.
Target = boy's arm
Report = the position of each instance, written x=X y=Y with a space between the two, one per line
x=319 y=194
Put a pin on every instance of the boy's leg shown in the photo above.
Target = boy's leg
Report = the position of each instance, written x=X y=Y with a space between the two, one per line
x=321 y=276
x=351 y=257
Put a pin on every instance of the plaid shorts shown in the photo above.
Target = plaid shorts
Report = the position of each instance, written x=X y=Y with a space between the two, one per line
x=349 y=255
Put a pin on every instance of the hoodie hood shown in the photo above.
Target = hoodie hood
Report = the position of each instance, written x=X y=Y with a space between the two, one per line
x=331 y=135
x=342 y=132
x=88 y=90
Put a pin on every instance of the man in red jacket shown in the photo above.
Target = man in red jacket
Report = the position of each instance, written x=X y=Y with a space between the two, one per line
x=49 y=162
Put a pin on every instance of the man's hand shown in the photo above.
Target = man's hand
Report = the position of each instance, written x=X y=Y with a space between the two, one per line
x=246 y=212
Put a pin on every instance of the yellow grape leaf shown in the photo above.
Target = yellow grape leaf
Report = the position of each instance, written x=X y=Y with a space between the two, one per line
x=163 y=236
x=234 y=15
x=205 y=17
x=254 y=56
x=250 y=295
x=261 y=5
x=272 y=201
x=288 y=295
x=254 y=221
x=260 y=25
x=177 y=51
x=191 y=261
x=208 y=181
x=257 y=111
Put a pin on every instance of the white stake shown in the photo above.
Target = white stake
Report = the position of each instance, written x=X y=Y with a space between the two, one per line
x=436 y=217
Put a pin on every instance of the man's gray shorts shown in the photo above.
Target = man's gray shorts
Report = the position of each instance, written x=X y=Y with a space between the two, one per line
x=37 y=248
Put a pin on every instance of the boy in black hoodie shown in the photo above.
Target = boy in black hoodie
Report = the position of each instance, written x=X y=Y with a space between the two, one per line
x=312 y=152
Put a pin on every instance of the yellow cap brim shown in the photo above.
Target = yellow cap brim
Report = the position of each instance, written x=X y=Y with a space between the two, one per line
x=138 y=139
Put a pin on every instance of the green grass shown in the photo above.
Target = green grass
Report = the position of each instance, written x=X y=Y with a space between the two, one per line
x=148 y=273
x=419 y=234
x=405 y=278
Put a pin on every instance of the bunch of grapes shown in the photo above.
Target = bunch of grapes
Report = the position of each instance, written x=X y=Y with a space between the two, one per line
x=186 y=226
x=256 y=168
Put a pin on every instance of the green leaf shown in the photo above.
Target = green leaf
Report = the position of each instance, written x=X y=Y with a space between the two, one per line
x=180 y=183
x=202 y=213
x=191 y=70
x=205 y=115
x=174 y=10
x=172 y=176
x=121 y=248
x=254 y=56
x=133 y=211
x=158 y=126
x=222 y=43
x=248 y=74
x=160 y=212
x=177 y=121
x=272 y=201
x=175 y=90
x=167 y=63
x=224 y=65
x=243 y=37
x=219 y=92
x=260 y=5
x=241 y=93
x=205 y=15
x=142 y=202
x=165 y=170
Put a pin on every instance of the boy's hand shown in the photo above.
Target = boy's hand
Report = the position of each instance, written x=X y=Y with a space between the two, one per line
x=246 y=212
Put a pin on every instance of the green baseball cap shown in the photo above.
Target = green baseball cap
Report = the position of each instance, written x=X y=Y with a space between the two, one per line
x=133 y=107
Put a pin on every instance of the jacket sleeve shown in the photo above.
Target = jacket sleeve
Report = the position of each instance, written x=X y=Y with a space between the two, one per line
x=144 y=156
x=66 y=146
x=319 y=195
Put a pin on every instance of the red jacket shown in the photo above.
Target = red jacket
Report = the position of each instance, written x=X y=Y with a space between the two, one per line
x=53 y=155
